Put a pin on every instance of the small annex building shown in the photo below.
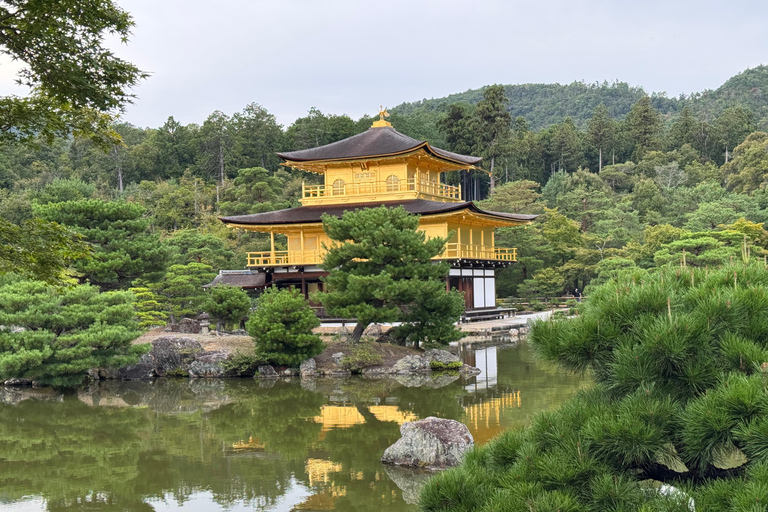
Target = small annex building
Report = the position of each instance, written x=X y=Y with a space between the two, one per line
x=380 y=166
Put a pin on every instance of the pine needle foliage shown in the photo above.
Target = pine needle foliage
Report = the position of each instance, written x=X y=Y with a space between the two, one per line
x=678 y=412
x=282 y=327
x=55 y=335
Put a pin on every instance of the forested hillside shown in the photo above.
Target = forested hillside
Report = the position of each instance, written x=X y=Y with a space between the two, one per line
x=543 y=105
x=633 y=191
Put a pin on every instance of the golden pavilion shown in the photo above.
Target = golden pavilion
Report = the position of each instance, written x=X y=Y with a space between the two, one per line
x=380 y=166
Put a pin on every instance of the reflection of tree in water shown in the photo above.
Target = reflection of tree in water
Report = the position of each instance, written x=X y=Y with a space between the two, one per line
x=64 y=451
x=75 y=456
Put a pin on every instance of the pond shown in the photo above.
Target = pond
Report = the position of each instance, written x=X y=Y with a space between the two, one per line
x=241 y=444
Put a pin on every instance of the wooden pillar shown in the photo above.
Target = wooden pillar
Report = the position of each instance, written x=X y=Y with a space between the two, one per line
x=301 y=246
x=304 y=286
x=272 y=246
x=458 y=239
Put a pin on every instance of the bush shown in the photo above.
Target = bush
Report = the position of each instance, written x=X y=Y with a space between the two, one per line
x=680 y=398
x=438 y=366
x=282 y=327
x=227 y=305
x=59 y=334
x=537 y=306
x=242 y=365
x=363 y=355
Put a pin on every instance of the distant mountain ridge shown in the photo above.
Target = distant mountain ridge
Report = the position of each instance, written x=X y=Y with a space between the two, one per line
x=546 y=104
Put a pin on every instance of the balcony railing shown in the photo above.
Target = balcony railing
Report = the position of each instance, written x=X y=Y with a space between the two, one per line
x=452 y=252
x=412 y=185
x=478 y=252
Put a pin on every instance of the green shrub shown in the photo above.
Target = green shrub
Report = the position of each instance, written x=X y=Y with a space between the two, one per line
x=363 y=355
x=679 y=399
x=242 y=365
x=282 y=327
x=537 y=306
x=227 y=305
x=438 y=366
x=65 y=332
x=571 y=303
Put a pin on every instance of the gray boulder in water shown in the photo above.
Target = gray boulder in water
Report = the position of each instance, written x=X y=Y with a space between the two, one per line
x=411 y=364
x=431 y=443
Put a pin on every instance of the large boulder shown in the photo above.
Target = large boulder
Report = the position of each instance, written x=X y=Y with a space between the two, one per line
x=431 y=443
x=173 y=354
x=209 y=365
x=308 y=368
x=143 y=370
x=411 y=364
x=189 y=326
x=266 y=372
x=441 y=356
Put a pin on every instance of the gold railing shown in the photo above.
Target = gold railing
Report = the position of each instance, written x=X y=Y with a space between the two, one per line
x=479 y=252
x=273 y=258
x=381 y=187
x=452 y=252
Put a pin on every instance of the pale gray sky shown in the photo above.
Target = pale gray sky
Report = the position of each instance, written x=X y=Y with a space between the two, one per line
x=349 y=56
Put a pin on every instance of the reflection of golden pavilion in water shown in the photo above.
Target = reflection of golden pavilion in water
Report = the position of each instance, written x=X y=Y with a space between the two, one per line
x=341 y=416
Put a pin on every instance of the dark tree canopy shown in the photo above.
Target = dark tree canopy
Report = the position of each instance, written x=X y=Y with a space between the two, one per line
x=74 y=77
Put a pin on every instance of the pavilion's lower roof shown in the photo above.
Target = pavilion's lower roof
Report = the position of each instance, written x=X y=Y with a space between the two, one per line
x=313 y=214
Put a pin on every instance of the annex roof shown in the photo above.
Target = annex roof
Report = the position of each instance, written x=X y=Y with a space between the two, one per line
x=239 y=278
x=313 y=214
x=376 y=141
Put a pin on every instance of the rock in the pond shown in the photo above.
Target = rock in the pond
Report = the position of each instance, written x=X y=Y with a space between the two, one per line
x=209 y=365
x=289 y=372
x=171 y=354
x=15 y=383
x=413 y=380
x=308 y=368
x=337 y=357
x=375 y=371
x=189 y=326
x=431 y=443
x=411 y=364
x=266 y=372
x=469 y=371
x=139 y=371
x=441 y=356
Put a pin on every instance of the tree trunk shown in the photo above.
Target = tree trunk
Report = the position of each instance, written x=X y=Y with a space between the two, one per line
x=493 y=162
x=357 y=333
x=221 y=162
x=600 y=165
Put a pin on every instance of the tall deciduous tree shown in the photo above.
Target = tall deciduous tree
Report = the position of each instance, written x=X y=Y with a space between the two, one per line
x=215 y=143
x=380 y=269
x=76 y=82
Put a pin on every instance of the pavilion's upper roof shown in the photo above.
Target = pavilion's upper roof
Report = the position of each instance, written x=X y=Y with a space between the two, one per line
x=374 y=142
x=313 y=214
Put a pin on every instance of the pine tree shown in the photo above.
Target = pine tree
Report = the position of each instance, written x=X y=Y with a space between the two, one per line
x=282 y=327
x=55 y=335
x=380 y=269
x=678 y=357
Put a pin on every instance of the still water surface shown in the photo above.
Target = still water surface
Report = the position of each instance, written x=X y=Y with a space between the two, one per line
x=241 y=444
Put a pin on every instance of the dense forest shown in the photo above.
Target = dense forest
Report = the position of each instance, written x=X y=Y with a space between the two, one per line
x=636 y=181
x=543 y=105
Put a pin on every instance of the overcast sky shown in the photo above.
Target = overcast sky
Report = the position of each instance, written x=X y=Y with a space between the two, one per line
x=350 y=56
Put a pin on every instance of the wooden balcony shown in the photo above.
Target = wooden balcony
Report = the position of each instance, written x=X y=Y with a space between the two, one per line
x=452 y=252
x=379 y=191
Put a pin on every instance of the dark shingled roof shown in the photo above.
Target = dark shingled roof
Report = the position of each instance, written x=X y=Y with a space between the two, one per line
x=371 y=143
x=309 y=214
x=242 y=279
